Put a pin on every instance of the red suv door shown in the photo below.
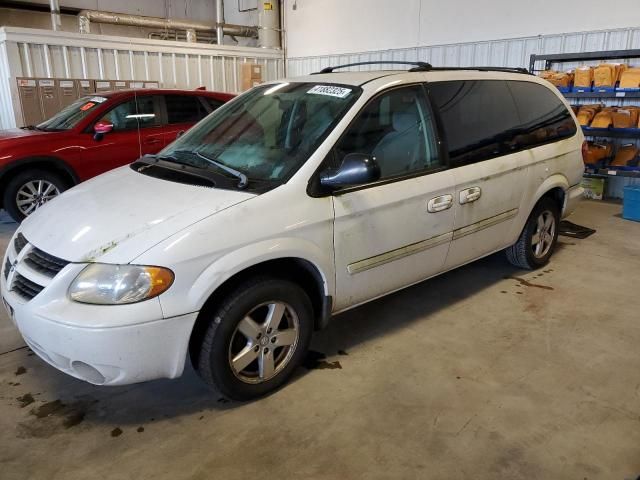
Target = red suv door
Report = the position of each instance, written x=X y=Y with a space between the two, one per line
x=183 y=111
x=137 y=130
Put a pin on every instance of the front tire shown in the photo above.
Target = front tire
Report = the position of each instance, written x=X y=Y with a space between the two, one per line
x=255 y=339
x=538 y=238
x=29 y=190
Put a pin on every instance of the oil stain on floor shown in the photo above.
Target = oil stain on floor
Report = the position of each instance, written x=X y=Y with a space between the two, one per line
x=317 y=361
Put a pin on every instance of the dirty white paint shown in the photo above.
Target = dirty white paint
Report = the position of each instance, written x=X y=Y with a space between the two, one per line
x=207 y=235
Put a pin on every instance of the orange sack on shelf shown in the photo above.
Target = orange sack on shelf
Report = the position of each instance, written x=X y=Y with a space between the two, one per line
x=602 y=119
x=604 y=75
x=625 y=155
x=583 y=77
x=597 y=152
x=630 y=78
x=625 y=117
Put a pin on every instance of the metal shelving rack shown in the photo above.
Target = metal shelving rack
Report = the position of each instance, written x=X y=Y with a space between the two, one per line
x=550 y=59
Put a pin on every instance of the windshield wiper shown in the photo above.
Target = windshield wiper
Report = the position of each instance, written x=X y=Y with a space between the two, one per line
x=244 y=181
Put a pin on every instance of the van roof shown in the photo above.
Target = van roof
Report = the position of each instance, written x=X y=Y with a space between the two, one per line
x=359 y=78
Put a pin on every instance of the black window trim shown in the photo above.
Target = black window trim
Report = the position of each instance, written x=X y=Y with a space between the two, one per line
x=443 y=136
x=315 y=190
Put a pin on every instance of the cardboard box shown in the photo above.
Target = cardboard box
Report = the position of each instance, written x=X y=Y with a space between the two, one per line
x=251 y=75
x=593 y=188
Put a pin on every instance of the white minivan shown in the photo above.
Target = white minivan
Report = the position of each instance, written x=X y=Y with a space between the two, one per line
x=297 y=200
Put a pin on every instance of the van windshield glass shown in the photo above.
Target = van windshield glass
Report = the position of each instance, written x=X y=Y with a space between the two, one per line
x=267 y=133
x=68 y=117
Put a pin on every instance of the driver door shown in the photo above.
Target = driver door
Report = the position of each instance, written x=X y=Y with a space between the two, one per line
x=396 y=231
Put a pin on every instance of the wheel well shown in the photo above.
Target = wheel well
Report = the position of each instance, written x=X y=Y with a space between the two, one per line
x=557 y=195
x=297 y=270
x=49 y=165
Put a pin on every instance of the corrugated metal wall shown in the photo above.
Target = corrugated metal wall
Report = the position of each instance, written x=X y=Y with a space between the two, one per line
x=512 y=52
x=43 y=53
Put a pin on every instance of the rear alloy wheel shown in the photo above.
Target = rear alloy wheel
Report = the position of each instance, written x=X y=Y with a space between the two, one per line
x=28 y=191
x=538 y=238
x=255 y=339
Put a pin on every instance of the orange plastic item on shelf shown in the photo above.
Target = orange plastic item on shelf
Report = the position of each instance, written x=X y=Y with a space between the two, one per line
x=625 y=117
x=559 y=79
x=630 y=78
x=586 y=113
x=604 y=75
x=602 y=119
x=625 y=155
x=597 y=152
x=583 y=77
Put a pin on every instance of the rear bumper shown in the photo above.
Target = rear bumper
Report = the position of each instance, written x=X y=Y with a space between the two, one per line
x=571 y=199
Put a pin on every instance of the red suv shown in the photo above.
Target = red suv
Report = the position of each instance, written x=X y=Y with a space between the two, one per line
x=95 y=134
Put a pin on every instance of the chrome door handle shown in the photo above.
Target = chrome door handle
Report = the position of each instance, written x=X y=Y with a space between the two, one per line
x=438 y=204
x=469 y=195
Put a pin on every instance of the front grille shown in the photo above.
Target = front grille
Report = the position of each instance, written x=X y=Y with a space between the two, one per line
x=25 y=287
x=44 y=263
x=7 y=267
x=19 y=243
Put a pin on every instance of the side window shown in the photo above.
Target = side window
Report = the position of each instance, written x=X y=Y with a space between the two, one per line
x=132 y=114
x=478 y=116
x=213 y=103
x=184 y=109
x=398 y=130
x=543 y=116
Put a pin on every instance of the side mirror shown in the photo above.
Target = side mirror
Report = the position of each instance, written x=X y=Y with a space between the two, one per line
x=101 y=128
x=356 y=169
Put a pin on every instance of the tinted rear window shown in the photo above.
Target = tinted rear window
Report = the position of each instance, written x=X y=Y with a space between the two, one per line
x=484 y=119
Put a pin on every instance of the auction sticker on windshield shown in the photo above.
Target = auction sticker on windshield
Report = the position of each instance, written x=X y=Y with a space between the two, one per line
x=330 y=90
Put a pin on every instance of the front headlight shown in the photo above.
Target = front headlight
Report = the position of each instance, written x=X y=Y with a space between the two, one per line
x=104 y=284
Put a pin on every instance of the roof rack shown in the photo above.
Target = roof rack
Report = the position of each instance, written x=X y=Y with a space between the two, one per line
x=417 y=66
x=426 y=67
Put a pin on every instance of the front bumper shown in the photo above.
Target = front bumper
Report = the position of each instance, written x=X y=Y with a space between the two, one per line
x=571 y=199
x=103 y=345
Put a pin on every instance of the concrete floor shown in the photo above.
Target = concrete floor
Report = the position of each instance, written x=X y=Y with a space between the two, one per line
x=476 y=374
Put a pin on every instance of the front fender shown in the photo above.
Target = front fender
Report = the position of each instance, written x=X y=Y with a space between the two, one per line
x=236 y=261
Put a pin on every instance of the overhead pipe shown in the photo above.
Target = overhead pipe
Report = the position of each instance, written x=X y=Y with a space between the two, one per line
x=56 y=21
x=86 y=17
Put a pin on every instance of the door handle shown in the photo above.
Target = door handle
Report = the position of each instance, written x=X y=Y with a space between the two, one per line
x=469 y=195
x=438 y=204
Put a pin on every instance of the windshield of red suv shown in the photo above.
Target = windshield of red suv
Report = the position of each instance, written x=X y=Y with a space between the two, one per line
x=68 y=117
x=267 y=133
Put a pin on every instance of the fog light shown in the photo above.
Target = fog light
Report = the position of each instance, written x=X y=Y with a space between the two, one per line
x=87 y=372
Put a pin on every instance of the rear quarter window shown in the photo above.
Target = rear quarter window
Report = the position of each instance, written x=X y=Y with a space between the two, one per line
x=484 y=119
x=544 y=117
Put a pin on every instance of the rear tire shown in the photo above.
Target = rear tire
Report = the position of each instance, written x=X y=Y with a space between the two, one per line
x=255 y=339
x=29 y=190
x=538 y=238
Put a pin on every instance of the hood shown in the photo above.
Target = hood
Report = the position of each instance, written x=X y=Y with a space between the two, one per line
x=117 y=216
x=20 y=133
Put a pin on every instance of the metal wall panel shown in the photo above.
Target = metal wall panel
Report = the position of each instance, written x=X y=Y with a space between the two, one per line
x=44 y=53
x=513 y=52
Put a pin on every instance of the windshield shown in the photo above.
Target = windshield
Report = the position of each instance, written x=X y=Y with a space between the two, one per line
x=68 y=117
x=267 y=133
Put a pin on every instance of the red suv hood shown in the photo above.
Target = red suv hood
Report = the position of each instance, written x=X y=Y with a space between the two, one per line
x=19 y=132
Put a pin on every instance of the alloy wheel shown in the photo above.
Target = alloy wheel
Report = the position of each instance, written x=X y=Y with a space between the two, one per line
x=264 y=342
x=33 y=194
x=544 y=234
